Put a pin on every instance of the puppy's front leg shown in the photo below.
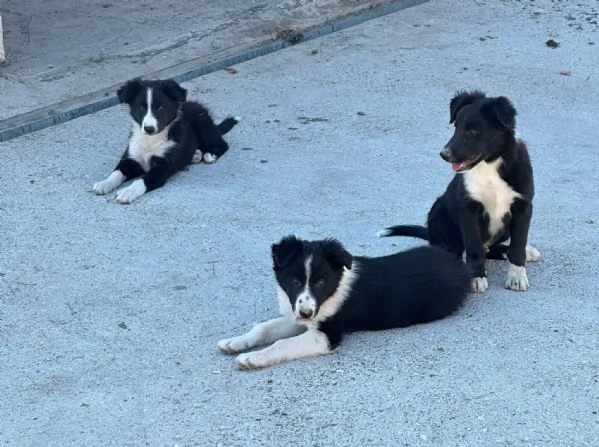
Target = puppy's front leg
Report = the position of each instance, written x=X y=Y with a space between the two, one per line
x=475 y=251
x=262 y=334
x=311 y=343
x=516 y=252
x=125 y=170
x=113 y=181
x=154 y=178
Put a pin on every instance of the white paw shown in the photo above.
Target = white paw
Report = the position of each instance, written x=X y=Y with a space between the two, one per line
x=478 y=285
x=197 y=157
x=252 y=360
x=109 y=185
x=232 y=345
x=103 y=187
x=209 y=158
x=532 y=254
x=131 y=192
x=516 y=278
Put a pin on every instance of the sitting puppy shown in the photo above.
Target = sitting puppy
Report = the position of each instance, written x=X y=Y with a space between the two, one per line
x=490 y=198
x=324 y=292
x=168 y=134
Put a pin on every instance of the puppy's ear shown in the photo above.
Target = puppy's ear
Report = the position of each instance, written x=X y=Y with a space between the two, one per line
x=500 y=111
x=460 y=100
x=336 y=254
x=129 y=91
x=174 y=91
x=284 y=251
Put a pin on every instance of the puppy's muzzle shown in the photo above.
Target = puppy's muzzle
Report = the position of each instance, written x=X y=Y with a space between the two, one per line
x=306 y=313
x=149 y=130
x=446 y=155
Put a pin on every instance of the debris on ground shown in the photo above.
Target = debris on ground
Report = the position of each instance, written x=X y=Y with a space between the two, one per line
x=552 y=43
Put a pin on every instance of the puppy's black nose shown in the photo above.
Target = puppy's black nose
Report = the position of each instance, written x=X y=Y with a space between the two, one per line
x=149 y=129
x=305 y=313
x=445 y=154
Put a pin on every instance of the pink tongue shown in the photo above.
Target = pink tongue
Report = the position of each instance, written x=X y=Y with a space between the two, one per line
x=458 y=166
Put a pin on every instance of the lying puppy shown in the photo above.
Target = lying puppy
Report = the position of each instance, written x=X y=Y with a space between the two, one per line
x=168 y=134
x=490 y=198
x=324 y=292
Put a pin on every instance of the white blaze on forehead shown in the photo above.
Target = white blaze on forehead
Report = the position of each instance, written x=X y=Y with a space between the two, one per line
x=308 y=267
x=149 y=119
x=305 y=301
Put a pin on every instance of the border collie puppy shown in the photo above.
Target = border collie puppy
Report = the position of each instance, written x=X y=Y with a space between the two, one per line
x=490 y=198
x=168 y=134
x=325 y=292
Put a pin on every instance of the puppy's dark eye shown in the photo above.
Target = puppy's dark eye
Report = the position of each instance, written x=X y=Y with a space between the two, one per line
x=320 y=283
x=296 y=282
x=160 y=108
x=472 y=132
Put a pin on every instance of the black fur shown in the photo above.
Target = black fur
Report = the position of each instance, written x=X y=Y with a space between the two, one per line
x=416 y=286
x=457 y=222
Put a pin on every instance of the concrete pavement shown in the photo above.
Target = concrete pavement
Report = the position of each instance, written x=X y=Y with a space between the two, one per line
x=65 y=58
x=110 y=314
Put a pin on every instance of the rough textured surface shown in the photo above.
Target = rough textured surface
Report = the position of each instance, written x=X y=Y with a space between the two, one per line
x=110 y=314
x=64 y=51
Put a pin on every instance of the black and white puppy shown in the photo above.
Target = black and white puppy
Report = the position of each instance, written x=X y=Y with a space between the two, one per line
x=168 y=134
x=490 y=198
x=325 y=292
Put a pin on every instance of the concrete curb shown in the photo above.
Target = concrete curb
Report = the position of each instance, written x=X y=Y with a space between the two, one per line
x=2 y=54
x=93 y=102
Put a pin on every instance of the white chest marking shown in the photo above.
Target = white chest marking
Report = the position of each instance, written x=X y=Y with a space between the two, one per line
x=484 y=185
x=143 y=147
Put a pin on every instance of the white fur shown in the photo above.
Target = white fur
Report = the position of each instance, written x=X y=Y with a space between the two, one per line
x=262 y=334
x=131 y=192
x=285 y=308
x=143 y=147
x=305 y=301
x=478 y=285
x=305 y=304
x=516 y=278
x=149 y=119
x=115 y=179
x=383 y=233
x=197 y=157
x=484 y=184
x=308 y=344
x=532 y=254
x=209 y=158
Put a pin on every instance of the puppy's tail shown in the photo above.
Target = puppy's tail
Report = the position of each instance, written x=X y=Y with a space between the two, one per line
x=227 y=124
x=419 y=231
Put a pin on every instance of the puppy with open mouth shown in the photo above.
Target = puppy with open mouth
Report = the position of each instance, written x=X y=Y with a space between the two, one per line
x=489 y=199
x=325 y=292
